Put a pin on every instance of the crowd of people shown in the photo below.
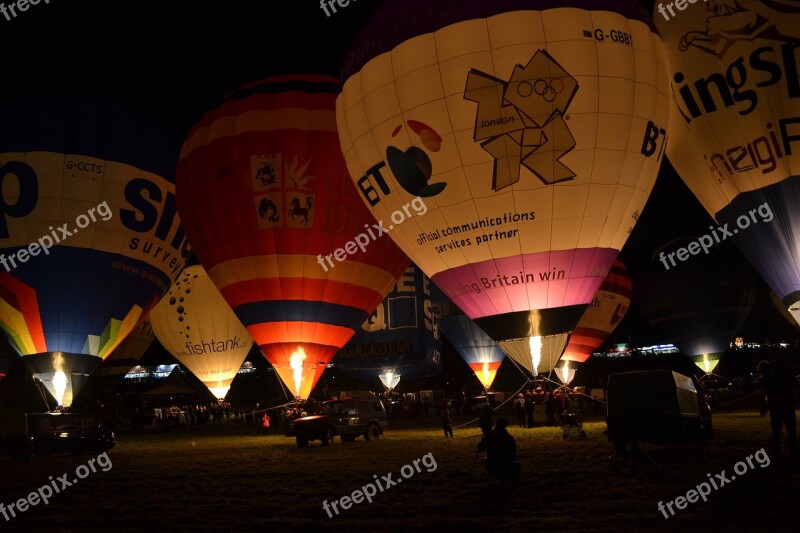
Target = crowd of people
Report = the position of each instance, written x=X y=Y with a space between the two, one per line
x=174 y=417
x=555 y=404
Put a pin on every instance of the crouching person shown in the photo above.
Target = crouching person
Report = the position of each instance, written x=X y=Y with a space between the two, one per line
x=501 y=453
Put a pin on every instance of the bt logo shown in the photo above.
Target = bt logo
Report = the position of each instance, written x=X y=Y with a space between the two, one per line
x=411 y=168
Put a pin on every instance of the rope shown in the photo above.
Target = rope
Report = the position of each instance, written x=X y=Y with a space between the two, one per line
x=513 y=396
x=525 y=373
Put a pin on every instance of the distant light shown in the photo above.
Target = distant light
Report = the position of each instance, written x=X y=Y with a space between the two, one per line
x=389 y=379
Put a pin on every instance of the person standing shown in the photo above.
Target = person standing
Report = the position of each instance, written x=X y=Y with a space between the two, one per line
x=265 y=423
x=780 y=387
x=529 y=409
x=550 y=409
x=501 y=453
x=447 y=424
x=520 y=404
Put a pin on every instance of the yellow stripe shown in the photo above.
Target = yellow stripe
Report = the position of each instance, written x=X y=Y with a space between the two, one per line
x=14 y=323
x=272 y=266
x=122 y=329
x=261 y=120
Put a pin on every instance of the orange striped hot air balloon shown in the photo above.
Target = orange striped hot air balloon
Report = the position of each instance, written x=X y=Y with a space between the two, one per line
x=603 y=315
x=276 y=218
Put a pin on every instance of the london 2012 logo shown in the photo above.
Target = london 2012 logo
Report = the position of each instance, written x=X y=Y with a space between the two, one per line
x=521 y=121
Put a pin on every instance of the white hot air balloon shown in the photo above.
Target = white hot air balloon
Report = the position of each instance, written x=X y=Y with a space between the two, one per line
x=195 y=323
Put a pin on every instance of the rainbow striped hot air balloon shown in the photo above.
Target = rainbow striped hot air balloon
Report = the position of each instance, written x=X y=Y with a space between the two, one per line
x=602 y=317
x=532 y=129
x=267 y=202
x=122 y=359
x=91 y=224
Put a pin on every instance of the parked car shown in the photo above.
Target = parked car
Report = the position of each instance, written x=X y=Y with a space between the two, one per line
x=14 y=438
x=349 y=418
x=659 y=406
x=67 y=433
x=476 y=404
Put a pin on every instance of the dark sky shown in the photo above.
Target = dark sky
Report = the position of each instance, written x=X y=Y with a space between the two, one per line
x=173 y=59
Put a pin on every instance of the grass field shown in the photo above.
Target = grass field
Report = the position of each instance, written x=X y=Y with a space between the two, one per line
x=227 y=477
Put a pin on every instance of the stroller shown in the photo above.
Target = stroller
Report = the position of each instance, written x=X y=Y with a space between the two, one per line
x=572 y=424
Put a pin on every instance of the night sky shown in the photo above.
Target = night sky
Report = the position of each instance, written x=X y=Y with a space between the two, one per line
x=172 y=60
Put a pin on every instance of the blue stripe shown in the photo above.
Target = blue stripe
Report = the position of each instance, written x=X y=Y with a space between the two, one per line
x=79 y=290
x=772 y=247
x=300 y=311
x=469 y=340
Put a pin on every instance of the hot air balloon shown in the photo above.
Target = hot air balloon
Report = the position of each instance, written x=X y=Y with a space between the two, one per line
x=268 y=203
x=602 y=317
x=400 y=339
x=89 y=233
x=783 y=310
x=735 y=127
x=195 y=324
x=532 y=130
x=481 y=353
x=700 y=305
x=124 y=357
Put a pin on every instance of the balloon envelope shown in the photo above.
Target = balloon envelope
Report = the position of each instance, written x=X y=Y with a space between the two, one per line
x=195 y=324
x=734 y=127
x=124 y=357
x=527 y=134
x=481 y=353
x=603 y=315
x=401 y=336
x=783 y=310
x=92 y=240
x=274 y=217
x=700 y=304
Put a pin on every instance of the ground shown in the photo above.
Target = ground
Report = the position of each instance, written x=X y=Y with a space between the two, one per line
x=228 y=477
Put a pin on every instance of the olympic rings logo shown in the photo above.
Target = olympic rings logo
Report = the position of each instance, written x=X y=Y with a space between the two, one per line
x=548 y=91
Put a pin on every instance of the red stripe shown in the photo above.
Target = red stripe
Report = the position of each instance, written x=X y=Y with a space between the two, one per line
x=280 y=353
x=589 y=332
x=579 y=355
x=618 y=280
x=478 y=367
x=307 y=289
x=300 y=332
x=23 y=298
